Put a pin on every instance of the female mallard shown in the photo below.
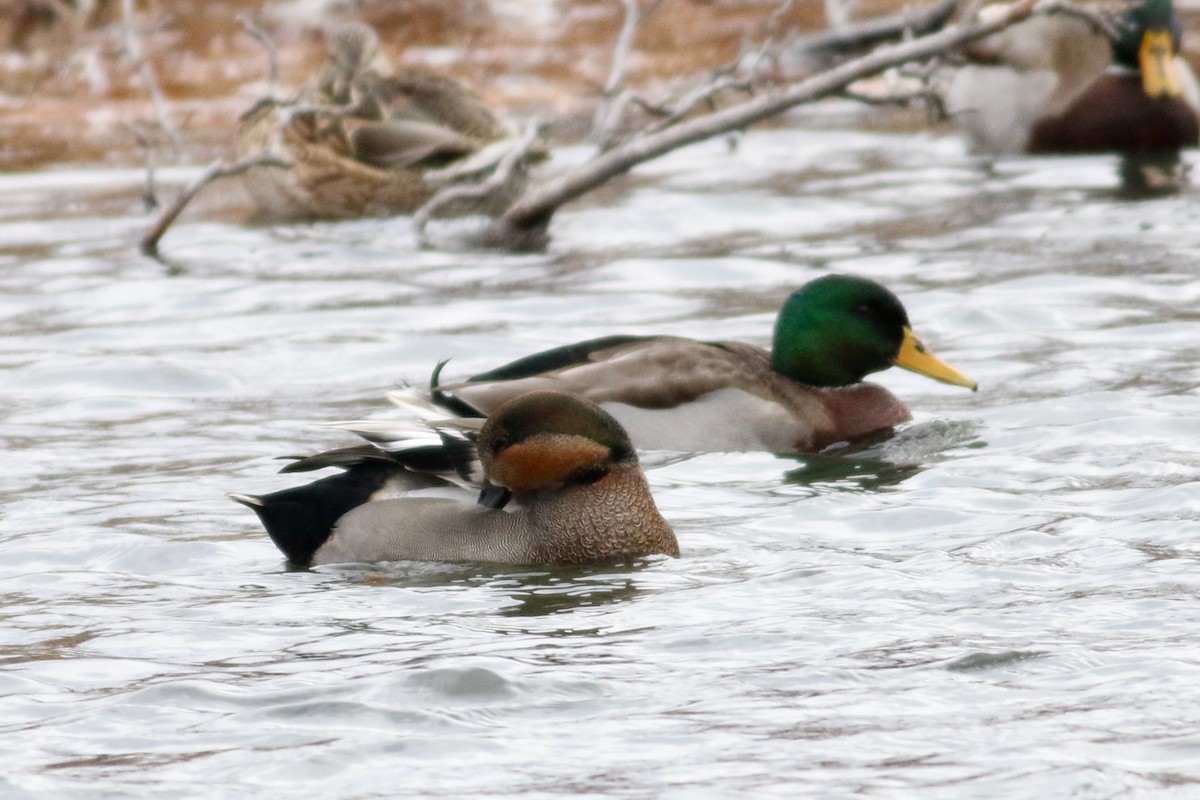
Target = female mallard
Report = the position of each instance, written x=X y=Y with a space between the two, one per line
x=1053 y=84
x=567 y=464
x=361 y=141
x=680 y=394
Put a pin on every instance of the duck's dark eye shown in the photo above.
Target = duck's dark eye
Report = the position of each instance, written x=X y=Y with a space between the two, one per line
x=499 y=442
x=864 y=311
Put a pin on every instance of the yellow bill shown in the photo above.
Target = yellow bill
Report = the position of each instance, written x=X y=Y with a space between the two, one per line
x=1160 y=73
x=913 y=356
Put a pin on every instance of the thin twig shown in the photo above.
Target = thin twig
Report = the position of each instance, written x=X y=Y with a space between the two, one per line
x=150 y=198
x=133 y=47
x=652 y=109
x=612 y=108
x=623 y=46
x=703 y=94
x=216 y=170
x=775 y=22
x=263 y=38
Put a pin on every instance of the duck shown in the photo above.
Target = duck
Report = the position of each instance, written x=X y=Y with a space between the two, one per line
x=1057 y=85
x=686 y=395
x=561 y=485
x=365 y=139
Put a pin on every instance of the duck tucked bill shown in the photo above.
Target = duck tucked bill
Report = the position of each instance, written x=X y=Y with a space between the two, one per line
x=566 y=465
x=1055 y=84
x=364 y=139
x=673 y=393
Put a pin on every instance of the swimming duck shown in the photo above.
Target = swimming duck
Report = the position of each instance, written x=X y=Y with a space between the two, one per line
x=566 y=463
x=1054 y=84
x=673 y=393
x=366 y=140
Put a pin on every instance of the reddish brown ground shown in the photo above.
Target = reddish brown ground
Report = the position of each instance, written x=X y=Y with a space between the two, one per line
x=69 y=92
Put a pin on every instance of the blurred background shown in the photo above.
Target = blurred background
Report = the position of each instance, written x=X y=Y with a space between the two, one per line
x=70 y=92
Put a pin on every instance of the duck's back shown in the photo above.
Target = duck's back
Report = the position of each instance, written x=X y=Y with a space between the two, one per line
x=673 y=393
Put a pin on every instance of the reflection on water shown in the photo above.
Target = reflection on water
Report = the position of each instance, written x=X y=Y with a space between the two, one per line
x=567 y=590
x=823 y=473
x=997 y=600
x=520 y=592
x=885 y=460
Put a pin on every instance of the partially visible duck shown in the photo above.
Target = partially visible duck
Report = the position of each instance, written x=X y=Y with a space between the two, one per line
x=1054 y=84
x=673 y=393
x=567 y=465
x=364 y=140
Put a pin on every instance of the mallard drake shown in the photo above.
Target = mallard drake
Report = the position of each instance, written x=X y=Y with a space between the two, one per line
x=567 y=464
x=1054 y=84
x=366 y=140
x=680 y=394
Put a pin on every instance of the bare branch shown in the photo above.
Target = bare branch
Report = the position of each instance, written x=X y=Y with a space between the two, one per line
x=775 y=21
x=881 y=29
x=653 y=109
x=150 y=198
x=215 y=171
x=530 y=216
x=752 y=59
x=612 y=109
x=133 y=47
x=633 y=18
x=502 y=175
x=263 y=38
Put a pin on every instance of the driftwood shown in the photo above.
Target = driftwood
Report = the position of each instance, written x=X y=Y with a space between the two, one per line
x=525 y=224
x=215 y=171
x=503 y=175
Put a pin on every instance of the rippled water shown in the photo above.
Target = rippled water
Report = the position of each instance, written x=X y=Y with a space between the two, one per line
x=1001 y=599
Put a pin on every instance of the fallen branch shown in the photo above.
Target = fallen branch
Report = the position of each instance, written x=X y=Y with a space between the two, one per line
x=222 y=168
x=503 y=174
x=217 y=170
x=525 y=223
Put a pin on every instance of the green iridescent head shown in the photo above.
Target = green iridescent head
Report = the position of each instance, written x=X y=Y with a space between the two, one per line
x=837 y=329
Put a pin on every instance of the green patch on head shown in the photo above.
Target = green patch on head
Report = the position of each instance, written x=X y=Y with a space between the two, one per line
x=837 y=329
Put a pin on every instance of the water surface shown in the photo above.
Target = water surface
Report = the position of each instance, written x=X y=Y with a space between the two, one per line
x=999 y=600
